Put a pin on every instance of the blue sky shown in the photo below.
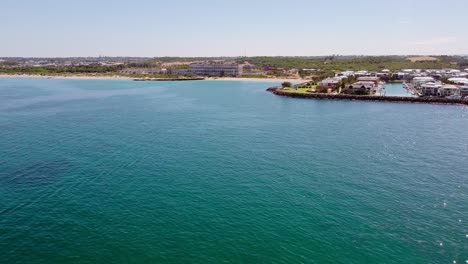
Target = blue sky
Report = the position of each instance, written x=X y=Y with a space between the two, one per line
x=61 y=28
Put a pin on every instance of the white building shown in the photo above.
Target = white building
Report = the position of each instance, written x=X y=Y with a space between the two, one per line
x=460 y=81
x=403 y=75
x=362 y=73
x=463 y=90
x=331 y=82
x=376 y=80
x=419 y=81
x=362 y=85
x=345 y=73
x=382 y=74
x=215 y=69
x=449 y=90
x=430 y=88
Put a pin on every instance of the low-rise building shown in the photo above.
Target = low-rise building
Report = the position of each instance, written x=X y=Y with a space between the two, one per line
x=362 y=73
x=419 y=81
x=449 y=90
x=375 y=80
x=459 y=81
x=141 y=70
x=345 y=73
x=383 y=74
x=463 y=90
x=362 y=85
x=430 y=88
x=215 y=69
x=331 y=82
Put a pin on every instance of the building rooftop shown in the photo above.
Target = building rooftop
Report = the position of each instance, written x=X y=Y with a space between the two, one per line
x=372 y=79
x=449 y=86
x=459 y=80
x=423 y=78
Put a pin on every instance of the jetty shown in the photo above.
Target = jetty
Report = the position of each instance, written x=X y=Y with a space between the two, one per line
x=326 y=96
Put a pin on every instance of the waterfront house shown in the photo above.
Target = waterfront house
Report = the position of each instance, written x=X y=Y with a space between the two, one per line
x=362 y=85
x=430 y=88
x=331 y=82
x=362 y=73
x=463 y=90
x=403 y=75
x=375 y=80
x=383 y=74
x=419 y=81
x=459 y=81
x=448 y=90
x=345 y=74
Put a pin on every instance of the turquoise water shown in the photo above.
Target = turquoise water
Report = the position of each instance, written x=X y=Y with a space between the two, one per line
x=224 y=172
x=396 y=89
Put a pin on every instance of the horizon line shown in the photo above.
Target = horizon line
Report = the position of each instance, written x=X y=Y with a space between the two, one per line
x=253 y=56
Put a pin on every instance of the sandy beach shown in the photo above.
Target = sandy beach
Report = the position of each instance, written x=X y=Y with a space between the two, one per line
x=83 y=77
x=74 y=77
x=258 y=79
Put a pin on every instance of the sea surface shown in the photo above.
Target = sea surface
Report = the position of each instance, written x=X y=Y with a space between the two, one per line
x=97 y=171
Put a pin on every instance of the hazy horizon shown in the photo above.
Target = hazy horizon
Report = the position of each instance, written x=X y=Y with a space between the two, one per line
x=253 y=56
x=243 y=28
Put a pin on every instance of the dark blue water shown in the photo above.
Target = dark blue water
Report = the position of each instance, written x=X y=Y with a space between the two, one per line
x=218 y=171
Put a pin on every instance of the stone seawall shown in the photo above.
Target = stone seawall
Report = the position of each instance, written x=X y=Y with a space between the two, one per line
x=429 y=100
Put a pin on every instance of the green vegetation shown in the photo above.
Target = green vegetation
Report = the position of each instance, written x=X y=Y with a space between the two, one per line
x=61 y=70
x=309 y=87
x=81 y=70
x=333 y=63
x=256 y=76
x=312 y=68
x=297 y=90
x=314 y=87
x=156 y=76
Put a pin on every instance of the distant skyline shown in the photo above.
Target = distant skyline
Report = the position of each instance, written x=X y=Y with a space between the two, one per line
x=208 y=28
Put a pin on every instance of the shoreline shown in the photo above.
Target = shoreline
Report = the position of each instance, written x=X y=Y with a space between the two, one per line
x=370 y=98
x=125 y=78
x=257 y=79
x=65 y=77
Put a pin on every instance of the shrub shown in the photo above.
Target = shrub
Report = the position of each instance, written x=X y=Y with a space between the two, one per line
x=321 y=89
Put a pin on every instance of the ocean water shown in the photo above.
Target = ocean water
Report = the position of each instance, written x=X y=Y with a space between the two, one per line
x=224 y=172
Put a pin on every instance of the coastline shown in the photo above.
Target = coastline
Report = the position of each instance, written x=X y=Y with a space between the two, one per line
x=373 y=98
x=117 y=77
x=257 y=79
x=65 y=77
